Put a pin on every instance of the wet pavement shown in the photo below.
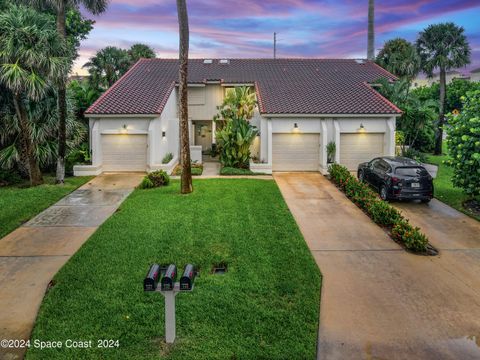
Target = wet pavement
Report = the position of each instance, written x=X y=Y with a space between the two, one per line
x=378 y=301
x=32 y=254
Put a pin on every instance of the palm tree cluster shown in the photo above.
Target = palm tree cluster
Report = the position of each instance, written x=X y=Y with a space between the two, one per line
x=110 y=63
x=439 y=47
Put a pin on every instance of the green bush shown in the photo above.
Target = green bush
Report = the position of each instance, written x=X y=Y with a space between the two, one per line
x=415 y=155
x=379 y=211
x=167 y=158
x=235 y=171
x=155 y=179
x=463 y=140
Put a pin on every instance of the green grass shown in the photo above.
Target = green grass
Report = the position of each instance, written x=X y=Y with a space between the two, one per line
x=444 y=189
x=234 y=171
x=20 y=204
x=265 y=307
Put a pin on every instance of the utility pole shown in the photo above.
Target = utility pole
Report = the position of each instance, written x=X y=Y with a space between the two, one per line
x=274 y=45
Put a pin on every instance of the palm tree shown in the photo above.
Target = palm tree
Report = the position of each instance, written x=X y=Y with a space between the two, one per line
x=371 y=30
x=400 y=57
x=60 y=6
x=140 y=51
x=32 y=56
x=186 y=178
x=443 y=46
x=107 y=66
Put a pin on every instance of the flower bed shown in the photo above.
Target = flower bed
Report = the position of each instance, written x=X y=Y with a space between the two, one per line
x=380 y=211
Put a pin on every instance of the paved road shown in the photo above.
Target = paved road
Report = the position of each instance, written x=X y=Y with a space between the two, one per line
x=378 y=301
x=31 y=255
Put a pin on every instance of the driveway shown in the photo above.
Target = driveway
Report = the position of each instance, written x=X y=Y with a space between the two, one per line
x=378 y=301
x=32 y=254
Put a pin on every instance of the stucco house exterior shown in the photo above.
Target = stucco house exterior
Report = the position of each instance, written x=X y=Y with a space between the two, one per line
x=303 y=104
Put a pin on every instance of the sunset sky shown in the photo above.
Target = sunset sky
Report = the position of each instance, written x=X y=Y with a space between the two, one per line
x=244 y=28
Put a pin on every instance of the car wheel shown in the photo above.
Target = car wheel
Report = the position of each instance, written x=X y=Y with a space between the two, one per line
x=361 y=177
x=383 y=193
x=426 y=201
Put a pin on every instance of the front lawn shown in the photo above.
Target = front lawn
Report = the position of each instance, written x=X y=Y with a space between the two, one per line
x=20 y=204
x=266 y=306
x=444 y=190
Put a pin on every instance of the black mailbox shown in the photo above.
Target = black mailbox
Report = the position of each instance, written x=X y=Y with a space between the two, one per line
x=151 y=280
x=168 y=280
x=186 y=281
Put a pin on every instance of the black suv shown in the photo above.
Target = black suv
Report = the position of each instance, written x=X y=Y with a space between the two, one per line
x=397 y=177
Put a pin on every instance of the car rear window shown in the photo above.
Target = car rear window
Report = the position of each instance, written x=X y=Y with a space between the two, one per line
x=411 y=171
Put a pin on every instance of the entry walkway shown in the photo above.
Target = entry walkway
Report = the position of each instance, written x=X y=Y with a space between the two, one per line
x=31 y=255
x=378 y=301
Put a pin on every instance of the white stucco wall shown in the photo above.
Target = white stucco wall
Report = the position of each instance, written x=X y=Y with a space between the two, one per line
x=213 y=96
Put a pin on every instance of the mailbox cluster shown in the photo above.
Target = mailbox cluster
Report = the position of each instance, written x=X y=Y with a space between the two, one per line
x=167 y=276
x=169 y=288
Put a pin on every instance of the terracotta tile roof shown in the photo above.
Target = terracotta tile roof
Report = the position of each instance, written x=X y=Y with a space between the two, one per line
x=284 y=86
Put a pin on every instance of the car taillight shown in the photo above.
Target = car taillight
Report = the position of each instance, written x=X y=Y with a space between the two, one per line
x=396 y=181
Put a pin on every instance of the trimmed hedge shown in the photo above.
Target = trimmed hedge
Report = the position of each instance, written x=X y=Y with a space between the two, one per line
x=379 y=211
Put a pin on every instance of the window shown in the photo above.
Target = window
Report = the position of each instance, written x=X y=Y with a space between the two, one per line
x=411 y=171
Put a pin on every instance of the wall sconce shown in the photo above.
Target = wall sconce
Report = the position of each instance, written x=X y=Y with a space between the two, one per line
x=295 y=126
x=362 y=128
x=125 y=126
x=124 y=129
x=164 y=133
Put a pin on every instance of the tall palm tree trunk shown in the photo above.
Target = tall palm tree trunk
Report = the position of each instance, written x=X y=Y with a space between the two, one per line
x=186 y=177
x=371 y=30
x=62 y=101
x=441 y=113
x=26 y=139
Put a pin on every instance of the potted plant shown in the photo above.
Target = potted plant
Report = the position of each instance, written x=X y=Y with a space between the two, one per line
x=331 y=148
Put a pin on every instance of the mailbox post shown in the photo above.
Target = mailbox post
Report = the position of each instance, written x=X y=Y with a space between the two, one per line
x=169 y=288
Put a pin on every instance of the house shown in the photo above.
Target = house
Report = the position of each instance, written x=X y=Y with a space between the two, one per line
x=303 y=104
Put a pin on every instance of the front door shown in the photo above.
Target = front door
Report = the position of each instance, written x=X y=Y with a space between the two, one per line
x=203 y=134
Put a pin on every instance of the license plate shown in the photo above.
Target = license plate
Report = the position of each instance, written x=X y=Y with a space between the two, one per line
x=415 y=185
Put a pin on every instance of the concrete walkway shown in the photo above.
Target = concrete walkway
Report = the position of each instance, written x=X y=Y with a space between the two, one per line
x=378 y=301
x=31 y=255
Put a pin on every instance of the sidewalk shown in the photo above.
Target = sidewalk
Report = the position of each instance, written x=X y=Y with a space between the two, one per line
x=32 y=254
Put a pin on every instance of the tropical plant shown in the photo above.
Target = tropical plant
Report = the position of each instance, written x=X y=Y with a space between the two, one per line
x=416 y=121
x=84 y=95
x=107 y=66
x=140 y=51
x=331 y=149
x=234 y=139
x=167 y=158
x=371 y=30
x=32 y=56
x=239 y=102
x=442 y=46
x=61 y=8
x=399 y=57
x=463 y=142
x=186 y=185
x=43 y=127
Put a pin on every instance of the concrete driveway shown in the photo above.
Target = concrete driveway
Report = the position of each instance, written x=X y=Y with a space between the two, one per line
x=378 y=301
x=32 y=254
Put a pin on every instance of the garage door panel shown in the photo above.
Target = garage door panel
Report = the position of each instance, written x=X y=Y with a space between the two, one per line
x=124 y=152
x=358 y=148
x=296 y=152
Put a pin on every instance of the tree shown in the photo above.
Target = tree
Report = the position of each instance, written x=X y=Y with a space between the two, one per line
x=107 y=66
x=32 y=56
x=84 y=95
x=443 y=46
x=463 y=142
x=371 y=30
x=139 y=51
x=399 y=57
x=186 y=177
x=61 y=8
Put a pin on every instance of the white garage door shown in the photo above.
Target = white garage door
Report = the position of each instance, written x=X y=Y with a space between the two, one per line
x=124 y=152
x=358 y=148
x=296 y=152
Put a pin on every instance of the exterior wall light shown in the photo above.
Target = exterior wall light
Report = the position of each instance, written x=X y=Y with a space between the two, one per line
x=164 y=134
x=295 y=126
x=362 y=128
x=124 y=129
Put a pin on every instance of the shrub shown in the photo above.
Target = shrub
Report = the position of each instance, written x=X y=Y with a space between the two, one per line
x=463 y=142
x=197 y=169
x=155 y=179
x=411 y=237
x=234 y=171
x=415 y=155
x=167 y=158
x=379 y=211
